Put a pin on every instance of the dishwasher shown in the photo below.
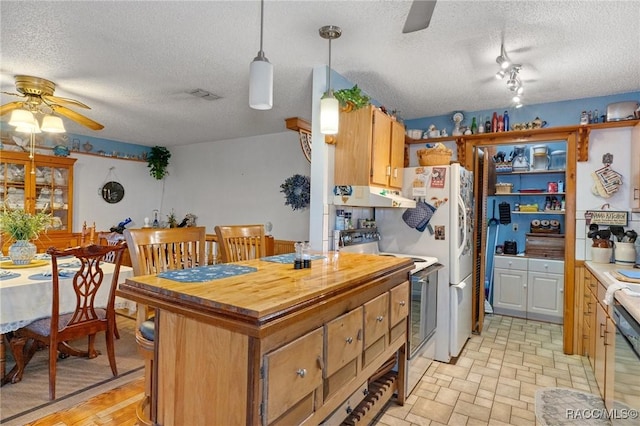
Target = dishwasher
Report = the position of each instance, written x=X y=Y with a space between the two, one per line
x=626 y=384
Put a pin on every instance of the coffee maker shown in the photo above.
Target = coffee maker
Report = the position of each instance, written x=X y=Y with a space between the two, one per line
x=519 y=160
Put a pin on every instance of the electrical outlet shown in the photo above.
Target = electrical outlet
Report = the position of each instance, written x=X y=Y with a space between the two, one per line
x=515 y=227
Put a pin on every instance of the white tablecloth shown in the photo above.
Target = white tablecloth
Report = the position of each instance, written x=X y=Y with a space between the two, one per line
x=23 y=300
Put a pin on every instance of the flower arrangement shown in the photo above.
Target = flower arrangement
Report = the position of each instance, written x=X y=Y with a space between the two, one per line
x=20 y=225
x=297 y=191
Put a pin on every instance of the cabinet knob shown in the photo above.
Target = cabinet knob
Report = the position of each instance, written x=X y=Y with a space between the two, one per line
x=349 y=340
x=379 y=318
x=301 y=372
x=402 y=303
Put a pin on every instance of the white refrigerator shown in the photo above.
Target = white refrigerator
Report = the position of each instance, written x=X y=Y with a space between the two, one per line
x=441 y=226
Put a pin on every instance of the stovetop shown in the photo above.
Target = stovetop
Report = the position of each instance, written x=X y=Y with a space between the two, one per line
x=367 y=243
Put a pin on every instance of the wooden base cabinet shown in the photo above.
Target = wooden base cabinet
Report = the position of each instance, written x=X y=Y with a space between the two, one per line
x=601 y=331
x=309 y=366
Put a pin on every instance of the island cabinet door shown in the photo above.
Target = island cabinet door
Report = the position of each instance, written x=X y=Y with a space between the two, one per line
x=343 y=350
x=293 y=376
x=398 y=310
x=376 y=327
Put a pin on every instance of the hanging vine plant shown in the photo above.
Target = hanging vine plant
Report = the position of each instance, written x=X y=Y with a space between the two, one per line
x=297 y=191
x=157 y=161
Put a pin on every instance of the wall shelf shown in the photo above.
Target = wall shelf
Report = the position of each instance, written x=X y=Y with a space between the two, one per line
x=550 y=212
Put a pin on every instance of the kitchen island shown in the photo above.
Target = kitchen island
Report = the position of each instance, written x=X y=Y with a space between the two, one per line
x=278 y=345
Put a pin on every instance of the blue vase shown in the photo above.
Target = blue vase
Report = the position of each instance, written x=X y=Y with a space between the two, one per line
x=22 y=252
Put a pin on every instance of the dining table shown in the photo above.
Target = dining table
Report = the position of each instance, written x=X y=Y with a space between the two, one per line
x=26 y=292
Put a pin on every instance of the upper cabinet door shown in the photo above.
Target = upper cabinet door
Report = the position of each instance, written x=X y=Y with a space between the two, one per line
x=381 y=148
x=397 y=154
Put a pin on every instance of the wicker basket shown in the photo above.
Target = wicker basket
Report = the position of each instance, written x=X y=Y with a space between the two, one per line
x=436 y=156
x=504 y=188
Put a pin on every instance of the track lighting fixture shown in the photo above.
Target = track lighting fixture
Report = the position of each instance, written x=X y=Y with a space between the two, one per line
x=512 y=70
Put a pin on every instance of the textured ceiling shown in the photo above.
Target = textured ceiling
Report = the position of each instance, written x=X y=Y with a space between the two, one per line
x=133 y=62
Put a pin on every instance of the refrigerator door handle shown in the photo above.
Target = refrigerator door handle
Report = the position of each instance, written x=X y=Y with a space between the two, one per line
x=463 y=243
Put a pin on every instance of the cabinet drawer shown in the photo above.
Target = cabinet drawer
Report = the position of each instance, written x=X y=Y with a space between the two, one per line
x=544 y=265
x=292 y=373
x=398 y=303
x=510 y=262
x=343 y=340
x=376 y=319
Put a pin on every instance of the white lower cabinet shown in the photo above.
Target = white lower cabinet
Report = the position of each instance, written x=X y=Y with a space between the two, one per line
x=529 y=288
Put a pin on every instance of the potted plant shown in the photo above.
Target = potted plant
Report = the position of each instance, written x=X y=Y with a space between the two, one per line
x=22 y=228
x=352 y=99
x=157 y=161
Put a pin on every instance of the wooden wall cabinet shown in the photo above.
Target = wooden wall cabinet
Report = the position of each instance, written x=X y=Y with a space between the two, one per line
x=369 y=149
x=46 y=184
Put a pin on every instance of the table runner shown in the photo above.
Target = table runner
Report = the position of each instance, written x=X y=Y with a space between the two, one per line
x=206 y=273
x=287 y=258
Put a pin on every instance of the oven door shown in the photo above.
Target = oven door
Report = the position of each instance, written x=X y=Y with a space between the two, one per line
x=627 y=367
x=423 y=307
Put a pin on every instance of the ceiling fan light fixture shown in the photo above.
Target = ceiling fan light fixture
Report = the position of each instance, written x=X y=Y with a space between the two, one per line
x=519 y=105
x=261 y=75
x=22 y=118
x=500 y=74
x=34 y=130
x=329 y=105
x=516 y=99
x=52 y=124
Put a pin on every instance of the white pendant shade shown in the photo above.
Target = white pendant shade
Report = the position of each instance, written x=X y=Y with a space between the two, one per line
x=23 y=118
x=52 y=124
x=329 y=114
x=261 y=83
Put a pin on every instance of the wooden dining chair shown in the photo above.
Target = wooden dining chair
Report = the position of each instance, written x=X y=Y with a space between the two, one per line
x=155 y=250
x=86 y=320
x=241 y=242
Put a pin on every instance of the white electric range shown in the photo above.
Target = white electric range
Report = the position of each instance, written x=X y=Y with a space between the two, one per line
x=422 y=323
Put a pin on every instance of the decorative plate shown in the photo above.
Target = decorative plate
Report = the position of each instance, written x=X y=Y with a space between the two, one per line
x=305 y=144
x=112 y=192
x=458 y=117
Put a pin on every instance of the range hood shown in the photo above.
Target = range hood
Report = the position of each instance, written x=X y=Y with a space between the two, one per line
x=369 y=196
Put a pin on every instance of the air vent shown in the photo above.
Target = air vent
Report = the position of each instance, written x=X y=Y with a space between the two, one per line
x=203 y=94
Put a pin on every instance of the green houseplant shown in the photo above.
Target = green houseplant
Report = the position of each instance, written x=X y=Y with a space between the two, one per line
x=157 y=161
x=22 y=228
x=352 y=99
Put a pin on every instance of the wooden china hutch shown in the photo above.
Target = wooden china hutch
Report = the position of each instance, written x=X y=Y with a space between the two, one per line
x=44 y=183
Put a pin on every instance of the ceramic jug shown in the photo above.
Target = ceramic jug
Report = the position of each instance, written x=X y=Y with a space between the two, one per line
x=624 y=253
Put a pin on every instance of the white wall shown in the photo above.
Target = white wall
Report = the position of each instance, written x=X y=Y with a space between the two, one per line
x=616 y=141
x=141 y=196
x=238 y=182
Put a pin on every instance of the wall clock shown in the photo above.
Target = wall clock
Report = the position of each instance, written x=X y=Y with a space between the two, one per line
x=112 y=192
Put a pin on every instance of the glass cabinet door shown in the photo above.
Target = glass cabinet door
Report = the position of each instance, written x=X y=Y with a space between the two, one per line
x=12 y=185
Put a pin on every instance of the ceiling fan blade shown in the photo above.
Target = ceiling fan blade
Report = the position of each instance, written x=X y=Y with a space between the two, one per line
x=10 y=107
x=78 y=118
x=49 y=99
x=419 y=15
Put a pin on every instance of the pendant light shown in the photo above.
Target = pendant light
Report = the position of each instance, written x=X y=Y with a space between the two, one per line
x=261 y=76
x=329 y=105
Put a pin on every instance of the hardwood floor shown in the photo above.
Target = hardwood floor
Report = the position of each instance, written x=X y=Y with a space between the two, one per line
x=116 y=407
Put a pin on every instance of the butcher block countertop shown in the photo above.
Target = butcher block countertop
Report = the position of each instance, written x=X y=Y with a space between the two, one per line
x=274 y=290
x=602 y=272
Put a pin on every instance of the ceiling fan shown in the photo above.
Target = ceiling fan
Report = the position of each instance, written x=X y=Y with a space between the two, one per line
x=38 y=94
x=419 y=15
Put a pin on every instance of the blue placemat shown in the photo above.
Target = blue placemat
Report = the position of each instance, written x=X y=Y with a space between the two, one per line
x=288 y=258
x=62 y=273
x=72 y=264
x=629 y=273
x=6 y=275
x=206 y=273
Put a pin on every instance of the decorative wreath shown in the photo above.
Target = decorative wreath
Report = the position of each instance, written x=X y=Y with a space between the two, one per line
x=297 y=191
